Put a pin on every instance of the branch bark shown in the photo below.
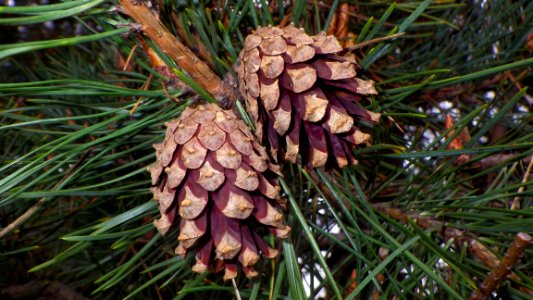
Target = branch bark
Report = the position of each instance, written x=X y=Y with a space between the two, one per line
x=495 y=277
x=461 y=238
x=202 y=74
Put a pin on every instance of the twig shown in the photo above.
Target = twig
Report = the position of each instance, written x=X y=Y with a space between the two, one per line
x=517 y=80
x=179 y=53
x=459 y=236
x=130 y=56
x=165 y=90
x=160 y=67
x=516 y=200
x=373 y=41
x=237 y=293
x=201 y=50
x=493 y=160
x=144 y=87
x=494 y=278
x=32 y=210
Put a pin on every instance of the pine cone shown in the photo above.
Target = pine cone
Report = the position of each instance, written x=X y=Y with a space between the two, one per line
x=213 y=173
x=303 y=95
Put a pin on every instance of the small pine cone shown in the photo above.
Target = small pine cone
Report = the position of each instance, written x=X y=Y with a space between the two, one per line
x=213 y=173
x=304 y=96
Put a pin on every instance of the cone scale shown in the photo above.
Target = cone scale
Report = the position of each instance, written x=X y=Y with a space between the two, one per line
x=214 y=178
x=304 y=96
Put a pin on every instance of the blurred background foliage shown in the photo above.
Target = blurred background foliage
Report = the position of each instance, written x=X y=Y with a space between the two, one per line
x=430 y=210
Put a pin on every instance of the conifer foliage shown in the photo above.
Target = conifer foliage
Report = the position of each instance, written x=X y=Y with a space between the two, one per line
x=388 y=158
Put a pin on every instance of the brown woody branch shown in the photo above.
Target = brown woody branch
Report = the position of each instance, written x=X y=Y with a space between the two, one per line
x=495 y=277
x=460 y=238
x=475 y=248
x=493 y=160
x=196 y=44
x=501 y=268
x=160 y=67
x=199 y=71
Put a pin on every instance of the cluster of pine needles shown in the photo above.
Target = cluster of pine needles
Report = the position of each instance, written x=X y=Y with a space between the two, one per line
x=439 y=207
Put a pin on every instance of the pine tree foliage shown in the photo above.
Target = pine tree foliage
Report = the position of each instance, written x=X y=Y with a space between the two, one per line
x=438 y=204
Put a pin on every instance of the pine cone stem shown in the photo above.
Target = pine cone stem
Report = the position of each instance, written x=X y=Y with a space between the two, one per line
x=179 y=53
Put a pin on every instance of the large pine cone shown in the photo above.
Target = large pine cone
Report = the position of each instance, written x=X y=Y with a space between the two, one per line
x=304 y=96
x=213 y=173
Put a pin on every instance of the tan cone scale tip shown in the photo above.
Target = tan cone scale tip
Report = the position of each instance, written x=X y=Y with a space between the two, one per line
x=213 y=175
x=304 y=96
